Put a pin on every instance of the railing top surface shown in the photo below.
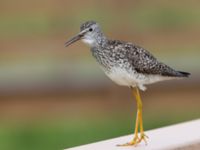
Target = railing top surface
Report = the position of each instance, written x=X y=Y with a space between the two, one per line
x=180 y=136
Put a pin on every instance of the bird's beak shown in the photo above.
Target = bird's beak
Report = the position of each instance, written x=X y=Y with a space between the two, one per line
x=75 y=38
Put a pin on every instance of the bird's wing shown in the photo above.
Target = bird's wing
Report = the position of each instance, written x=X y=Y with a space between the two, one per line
x=144 y=62
x=141 y=60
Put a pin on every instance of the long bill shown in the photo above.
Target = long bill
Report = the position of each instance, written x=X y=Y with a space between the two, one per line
x=75 y=38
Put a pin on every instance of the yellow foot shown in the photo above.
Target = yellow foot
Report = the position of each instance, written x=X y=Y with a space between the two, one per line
x=133 y=142
x=144 y=138
x=136 y=140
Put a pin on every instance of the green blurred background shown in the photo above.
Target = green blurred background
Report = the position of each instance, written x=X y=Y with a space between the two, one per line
x=52 y=97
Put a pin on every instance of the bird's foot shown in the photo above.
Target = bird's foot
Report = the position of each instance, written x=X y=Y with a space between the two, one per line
x=133 y=142
x=136 y=140
x=144 y=138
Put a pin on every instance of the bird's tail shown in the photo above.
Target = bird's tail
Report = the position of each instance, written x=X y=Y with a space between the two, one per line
x=183 y=74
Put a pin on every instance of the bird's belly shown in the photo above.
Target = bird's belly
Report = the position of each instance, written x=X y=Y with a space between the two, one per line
x=122 y=77
x=132 y=78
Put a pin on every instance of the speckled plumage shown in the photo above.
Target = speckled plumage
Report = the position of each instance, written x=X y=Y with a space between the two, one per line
x=126 y=63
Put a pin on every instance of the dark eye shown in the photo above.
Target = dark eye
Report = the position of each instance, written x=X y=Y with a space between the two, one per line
x=90 y=29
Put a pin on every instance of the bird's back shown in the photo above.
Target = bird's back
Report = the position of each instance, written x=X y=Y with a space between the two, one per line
x=139 y=59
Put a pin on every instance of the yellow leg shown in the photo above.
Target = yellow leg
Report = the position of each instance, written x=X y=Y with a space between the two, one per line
x=139 y=107
x=136 y=139
x=142 y=135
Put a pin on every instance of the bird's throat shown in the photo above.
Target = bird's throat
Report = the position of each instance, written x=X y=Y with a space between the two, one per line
x=90 y=42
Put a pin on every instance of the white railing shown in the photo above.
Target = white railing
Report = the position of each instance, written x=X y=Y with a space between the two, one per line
x=183 y=136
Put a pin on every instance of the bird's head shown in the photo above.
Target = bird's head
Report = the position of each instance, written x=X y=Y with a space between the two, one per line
x=90 y=33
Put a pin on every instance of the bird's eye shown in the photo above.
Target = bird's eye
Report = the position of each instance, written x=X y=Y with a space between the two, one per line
x=90 y=29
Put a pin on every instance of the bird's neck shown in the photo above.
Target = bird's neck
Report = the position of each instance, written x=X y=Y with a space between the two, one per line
x=102 y=40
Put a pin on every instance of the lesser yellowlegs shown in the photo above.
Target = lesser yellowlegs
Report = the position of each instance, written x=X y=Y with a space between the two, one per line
x=126 y=64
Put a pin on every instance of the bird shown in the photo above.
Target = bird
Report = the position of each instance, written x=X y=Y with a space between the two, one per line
x=127 y=64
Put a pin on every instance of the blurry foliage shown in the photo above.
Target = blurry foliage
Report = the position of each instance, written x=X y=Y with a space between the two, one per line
x=142 y=18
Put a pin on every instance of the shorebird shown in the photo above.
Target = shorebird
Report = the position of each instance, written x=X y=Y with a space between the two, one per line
x=126 y=64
